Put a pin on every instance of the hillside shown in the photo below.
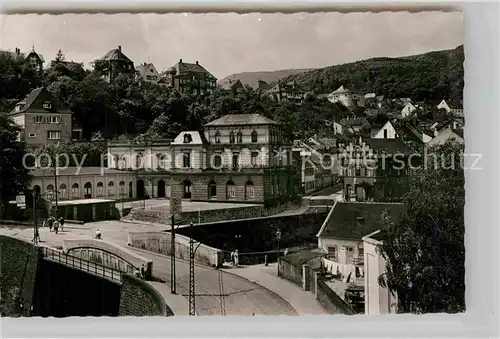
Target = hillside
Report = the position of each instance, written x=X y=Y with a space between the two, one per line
x=271 y=77
x=430 y=76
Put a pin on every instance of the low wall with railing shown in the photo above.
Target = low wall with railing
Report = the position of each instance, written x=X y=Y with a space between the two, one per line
x=160 y=242
x=108 y=254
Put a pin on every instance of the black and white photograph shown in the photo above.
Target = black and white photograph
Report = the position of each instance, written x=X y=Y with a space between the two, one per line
x=225 y=164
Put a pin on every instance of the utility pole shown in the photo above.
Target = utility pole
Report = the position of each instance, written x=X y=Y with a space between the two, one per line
x=192 y=305
x=172 y=255
x=34 y=217
x=55 y=188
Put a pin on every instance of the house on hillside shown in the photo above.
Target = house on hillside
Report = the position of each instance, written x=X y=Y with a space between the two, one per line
x=231 y=84
x=349 y=97
x=456 y=111
x=148 y=73
x=335 y=126
x=114 y=63
x=190 y=78
x=386 y=132
x=34 y=59
x=43 y=119
x=354 y=125
x=449 y=130
x=408 y=109
x=373 y=100
x=289 y=91
x=378 y=299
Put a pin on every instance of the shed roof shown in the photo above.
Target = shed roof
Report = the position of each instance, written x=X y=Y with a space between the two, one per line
x=242 y=119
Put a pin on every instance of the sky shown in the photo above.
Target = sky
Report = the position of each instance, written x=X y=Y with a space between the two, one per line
x=231 y=43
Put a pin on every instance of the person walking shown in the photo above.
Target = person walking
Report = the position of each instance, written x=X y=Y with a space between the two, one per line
x=56 y=226
x=50 y=221
x=232 y=258
x=61 y=222
x=143 y=272
x=236 y=258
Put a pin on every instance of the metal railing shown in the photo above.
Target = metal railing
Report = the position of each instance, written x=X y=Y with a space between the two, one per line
x=82 y=264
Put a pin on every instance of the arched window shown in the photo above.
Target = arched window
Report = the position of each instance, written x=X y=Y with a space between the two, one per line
x=254 y=136
x=63 y=194
x=212 y=190
x=50 y=192
x=231 y=137
x=217 y=137
x=100 y=189
x=239 y=137
x=111 y=188
x=122 y=189
x=75 y=191
x=230 y=189
x=138 y=161
x=217 y=161
x=88 y=190
x=187 y=138
x=249 y=190
x=37 y=189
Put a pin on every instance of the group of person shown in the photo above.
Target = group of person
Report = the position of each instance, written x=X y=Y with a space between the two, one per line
x=235 y=260
x=55 y=223
x=141 y=274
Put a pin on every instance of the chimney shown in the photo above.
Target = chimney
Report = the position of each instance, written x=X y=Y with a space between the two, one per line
x=180 y=61
x=197 y=62
x=18 y=51
x=119 y=48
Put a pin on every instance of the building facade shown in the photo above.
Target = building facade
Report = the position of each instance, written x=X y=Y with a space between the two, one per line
x=114 y=63
x=189 y=78
x=43 y=119
x=239 y=157
x=34 y=59
x=148 y=73
x=289 y=91
x=348 y=97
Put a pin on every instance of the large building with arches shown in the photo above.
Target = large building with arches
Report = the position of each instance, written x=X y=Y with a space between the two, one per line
x=236 y=158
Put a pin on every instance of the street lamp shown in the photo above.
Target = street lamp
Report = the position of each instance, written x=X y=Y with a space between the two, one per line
x=278 y=237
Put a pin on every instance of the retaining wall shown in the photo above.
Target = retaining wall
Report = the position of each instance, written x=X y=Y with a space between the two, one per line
x=138 y=298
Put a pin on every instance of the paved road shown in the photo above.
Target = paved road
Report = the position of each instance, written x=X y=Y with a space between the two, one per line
x=241 y=297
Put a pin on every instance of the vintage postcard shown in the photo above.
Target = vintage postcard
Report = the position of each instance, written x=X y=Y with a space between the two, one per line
x=232 y=164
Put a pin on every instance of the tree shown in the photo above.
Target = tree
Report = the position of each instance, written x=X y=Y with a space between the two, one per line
x=425 y=249
x=14 y=175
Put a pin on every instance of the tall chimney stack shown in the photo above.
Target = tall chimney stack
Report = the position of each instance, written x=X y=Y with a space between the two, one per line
x=119 y=48
x=197 y=62
x=180 y=61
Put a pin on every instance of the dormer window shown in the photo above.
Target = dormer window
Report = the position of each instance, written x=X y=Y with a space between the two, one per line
x=217 y=137
x=187 y=138
x=231 y=137
x=47 y=105
x=239 y=137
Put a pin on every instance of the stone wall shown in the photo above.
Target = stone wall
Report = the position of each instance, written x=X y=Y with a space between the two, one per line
x=160 y=242
x=18 y=270
x=330 y=301
x=139 y=299
x=291 y=272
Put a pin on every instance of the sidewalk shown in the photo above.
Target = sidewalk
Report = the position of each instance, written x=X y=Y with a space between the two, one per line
x=177 y=303
x=302 y=301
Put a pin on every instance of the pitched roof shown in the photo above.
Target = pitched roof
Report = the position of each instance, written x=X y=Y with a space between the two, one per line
x=229 y=83
x=145 y=69
x=34 y=102
x=354 y=220
x=242 y=119
x=343 y=89
x=408 y=131
x=186 y=67
x=191 y=138
x=390 y=146
x=355 y=121
x=290 y=87
x=36 y=54
x=116 y=55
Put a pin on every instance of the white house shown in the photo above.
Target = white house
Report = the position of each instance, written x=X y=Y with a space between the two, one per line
x=408 y=109
x=453 y=110
x=386 y=132
x=348 y=97
x=378 y=299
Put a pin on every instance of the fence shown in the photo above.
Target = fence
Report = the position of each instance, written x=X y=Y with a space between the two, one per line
x=82 y=264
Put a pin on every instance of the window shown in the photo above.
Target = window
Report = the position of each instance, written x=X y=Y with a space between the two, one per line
x=253 y=158
x=332 y=252
x=111 y=188
x=212 y=190
x=239 y=137
x=138 y=160
x=236 y=159
x=75 y=191
x=249 y=190
x=217 y=137
x=50 y=192
x=100 y=189
x=54 y=120
x=217 y=161
x=32 y=135
x=230 y=189
x=231 y=137
x=187 y=189
x=88 y=190
x=122 y=188
x=186 y=160
x=254 y=136
x=47 y=105
x=54 y=135
x=385 y=133
x=38 y=119
x=349 y=249
x=62 y=191
x=187 y=138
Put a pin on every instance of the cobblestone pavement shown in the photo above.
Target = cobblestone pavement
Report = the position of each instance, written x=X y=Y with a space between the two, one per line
x=241 y=297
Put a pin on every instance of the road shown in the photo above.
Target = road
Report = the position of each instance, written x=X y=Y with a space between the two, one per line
x=241 y=297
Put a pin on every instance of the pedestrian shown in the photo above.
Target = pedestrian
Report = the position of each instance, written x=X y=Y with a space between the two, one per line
x=50 y=221
x=44 y=223
x=286 y=251
x=61 y=222
x=143 y=272
x=236 y=258
x=232 y=258
x=56 y=226
x=137 y=273
x=97 y=235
